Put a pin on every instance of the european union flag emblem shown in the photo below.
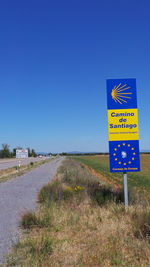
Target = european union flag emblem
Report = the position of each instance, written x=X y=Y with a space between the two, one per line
x=124 y=156
x=121 y=94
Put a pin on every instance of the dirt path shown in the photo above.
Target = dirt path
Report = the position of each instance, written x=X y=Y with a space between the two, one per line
x=18 y=196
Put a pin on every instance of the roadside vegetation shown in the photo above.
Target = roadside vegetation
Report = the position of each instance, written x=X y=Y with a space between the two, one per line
x=81 y=221
x=6 y=174
x=138 y=180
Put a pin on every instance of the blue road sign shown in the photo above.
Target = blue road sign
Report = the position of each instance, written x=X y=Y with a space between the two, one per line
x=124 y=156
x=123 y=125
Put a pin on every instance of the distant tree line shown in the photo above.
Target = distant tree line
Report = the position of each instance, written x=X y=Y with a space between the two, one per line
x=90 y=154
x=83 y=154
x=6 y=153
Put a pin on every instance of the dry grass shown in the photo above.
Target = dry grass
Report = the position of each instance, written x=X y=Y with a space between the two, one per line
x=79 y=232
x=95 y=236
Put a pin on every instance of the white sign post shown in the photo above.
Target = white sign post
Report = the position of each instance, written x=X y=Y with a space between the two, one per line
x=21 y=154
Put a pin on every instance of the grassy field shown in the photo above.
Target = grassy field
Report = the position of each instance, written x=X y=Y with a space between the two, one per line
x=139 y=180
x=81 y=223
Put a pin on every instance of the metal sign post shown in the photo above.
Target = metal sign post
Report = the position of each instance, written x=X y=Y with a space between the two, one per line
x=123 y=128
x=125 y=181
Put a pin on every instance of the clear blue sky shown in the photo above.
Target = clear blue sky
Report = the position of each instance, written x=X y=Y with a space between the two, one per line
x=55 y=57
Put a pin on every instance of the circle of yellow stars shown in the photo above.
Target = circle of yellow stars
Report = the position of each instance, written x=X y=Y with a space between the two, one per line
x=133 y=154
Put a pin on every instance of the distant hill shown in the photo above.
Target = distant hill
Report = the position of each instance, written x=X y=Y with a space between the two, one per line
x=42 y=153
x=78 y=152
x=83 y=153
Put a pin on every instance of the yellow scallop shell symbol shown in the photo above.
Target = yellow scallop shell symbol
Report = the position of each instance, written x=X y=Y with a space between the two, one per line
x=119 y=94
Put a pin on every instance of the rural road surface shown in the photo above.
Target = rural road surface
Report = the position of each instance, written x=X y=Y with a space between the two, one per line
x=18 y=196
x=8 y=163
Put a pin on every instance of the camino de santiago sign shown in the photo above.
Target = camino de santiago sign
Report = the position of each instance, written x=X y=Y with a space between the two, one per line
x=123 y=125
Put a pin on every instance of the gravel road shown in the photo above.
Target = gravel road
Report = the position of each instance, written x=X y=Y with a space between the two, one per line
x=18 y=196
